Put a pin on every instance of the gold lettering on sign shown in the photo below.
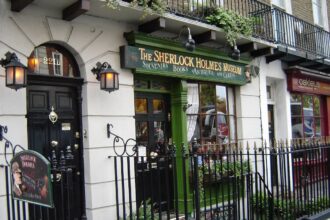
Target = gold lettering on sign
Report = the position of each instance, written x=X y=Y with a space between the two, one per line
x=169 y=58
x=208 y=64
x=187 y=61
x=144 y=55
x=231 y=68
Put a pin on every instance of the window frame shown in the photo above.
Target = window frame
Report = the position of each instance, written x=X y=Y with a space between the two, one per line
x=317 y=14
x=320 y=117
x=230 y=115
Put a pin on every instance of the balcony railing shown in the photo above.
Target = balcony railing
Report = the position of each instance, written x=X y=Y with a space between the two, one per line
x=271 y=25
x=299 y=34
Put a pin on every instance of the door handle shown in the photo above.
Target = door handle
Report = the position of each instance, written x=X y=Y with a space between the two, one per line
x=54 y=143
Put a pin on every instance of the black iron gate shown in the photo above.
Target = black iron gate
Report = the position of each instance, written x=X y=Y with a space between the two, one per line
x=63 y=182
x=236 y=183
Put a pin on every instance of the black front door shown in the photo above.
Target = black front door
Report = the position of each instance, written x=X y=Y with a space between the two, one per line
x=154 y=172
x=58 y=139
x=271 y=130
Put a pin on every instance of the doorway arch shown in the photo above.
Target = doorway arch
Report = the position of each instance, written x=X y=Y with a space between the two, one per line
x=54 y=88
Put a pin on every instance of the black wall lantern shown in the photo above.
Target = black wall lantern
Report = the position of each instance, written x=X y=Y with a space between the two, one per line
x=189 y=43
x=108 y=77
x=15 y=71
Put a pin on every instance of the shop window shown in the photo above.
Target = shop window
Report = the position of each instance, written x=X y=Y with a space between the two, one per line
x=52 y=60
x=211 y=115
x=306 y=116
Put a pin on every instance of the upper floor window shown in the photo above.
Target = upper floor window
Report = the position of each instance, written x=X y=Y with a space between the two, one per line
x=279 y=3
x=52 y=60
x=317 y=12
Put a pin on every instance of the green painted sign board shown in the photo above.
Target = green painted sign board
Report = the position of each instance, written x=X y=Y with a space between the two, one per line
x=188 y=66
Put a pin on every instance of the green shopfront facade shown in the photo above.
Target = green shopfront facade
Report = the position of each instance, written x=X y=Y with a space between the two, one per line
x=181 y=96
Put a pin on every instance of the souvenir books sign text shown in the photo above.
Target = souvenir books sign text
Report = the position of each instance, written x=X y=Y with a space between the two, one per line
x=31 y=180
x=178 y=65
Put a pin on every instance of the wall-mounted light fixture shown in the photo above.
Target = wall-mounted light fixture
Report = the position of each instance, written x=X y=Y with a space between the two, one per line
x=108 y=77
x=236 y=53
x=189 y=44
x=15 y=71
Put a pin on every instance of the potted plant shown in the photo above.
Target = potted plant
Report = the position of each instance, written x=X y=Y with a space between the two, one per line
x=232 y=23
x=148 y=6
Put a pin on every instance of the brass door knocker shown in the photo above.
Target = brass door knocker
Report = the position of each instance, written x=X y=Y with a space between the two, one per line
x=53 y=116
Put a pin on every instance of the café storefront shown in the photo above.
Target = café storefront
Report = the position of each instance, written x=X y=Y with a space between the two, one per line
x=310 y=104
x=181 y=96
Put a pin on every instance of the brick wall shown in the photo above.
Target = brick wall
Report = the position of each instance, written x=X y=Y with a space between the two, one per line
x=303 y=9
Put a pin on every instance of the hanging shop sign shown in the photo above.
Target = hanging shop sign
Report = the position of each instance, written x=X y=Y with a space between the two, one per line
x=307 y=84
x=173 y=64
x=31 y=179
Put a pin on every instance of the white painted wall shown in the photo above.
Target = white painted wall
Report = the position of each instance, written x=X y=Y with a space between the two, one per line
x=248 y=113
x=90 y=39
x=273 y=74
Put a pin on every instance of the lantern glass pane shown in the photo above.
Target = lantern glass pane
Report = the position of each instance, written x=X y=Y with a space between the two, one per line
x=103 y=82
x=19 y=75
x=109 y=80
x=10 y=75
x=116 y=81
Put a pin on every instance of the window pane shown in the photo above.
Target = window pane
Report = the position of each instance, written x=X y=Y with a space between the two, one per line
x=295 y=105
x=279 y=3
x=231 y=100
x=317 y=106
x=309 y=126
x=192 y=112
x=159 y=127
x=160 y=85
x=207 y=97
x=221 y=99
x=223 y=128
x=53 y=61
x=141 y=106
x=297 y=127
x=141 y=84
x=158 y=105
x=208 y=126
x=142 y=132
x=193 y=127
x=308 y=101
x=317 y=12
x=318 y=129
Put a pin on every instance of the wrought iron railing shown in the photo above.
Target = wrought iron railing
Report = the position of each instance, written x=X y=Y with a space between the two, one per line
x=299 y=34
x=271 y=25
x=280 y=182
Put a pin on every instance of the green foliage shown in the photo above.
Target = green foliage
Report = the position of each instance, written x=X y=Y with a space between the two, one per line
x=217 y=170
x=148 y=6
x=225 y=168
x=232 y=23
x=290 y=209
x=148 y=213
